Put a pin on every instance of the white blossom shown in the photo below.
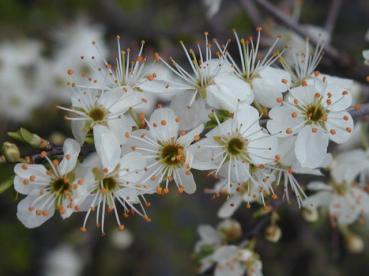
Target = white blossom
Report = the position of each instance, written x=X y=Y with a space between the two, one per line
x=48 y=189
x=229 y=149
x=165 y=150
x=316 y=113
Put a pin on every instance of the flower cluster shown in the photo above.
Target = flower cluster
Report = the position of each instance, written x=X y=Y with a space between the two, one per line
x=217 y=248
x=247 y=122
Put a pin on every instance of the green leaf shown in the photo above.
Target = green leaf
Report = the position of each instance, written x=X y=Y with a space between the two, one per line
x=6 y=185
x=27 y=136
x=15 y=135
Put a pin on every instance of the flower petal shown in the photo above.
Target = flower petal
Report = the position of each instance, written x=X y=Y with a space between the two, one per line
x=71 y=151
x=164 y=124
x=311 y=146
x=107 y=147
x=230 y=206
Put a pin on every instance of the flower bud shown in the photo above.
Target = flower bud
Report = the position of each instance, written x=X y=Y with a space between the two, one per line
x=310 y=214
x=273 y=233
x=354 y=243
x=57 y=138
x=11 y=152
x=231 y=229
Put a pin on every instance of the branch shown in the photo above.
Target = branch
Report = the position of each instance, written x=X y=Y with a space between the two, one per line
x=332 y=16
x=138 y=25
x=333 y=53
x=252 y=12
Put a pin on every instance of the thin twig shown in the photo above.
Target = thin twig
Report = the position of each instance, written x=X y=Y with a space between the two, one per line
x=252 y=12
x=330 y=51
x=332 y=16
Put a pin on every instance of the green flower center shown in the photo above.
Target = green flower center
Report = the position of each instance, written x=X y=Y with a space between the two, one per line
x=235 y=145
x=60 y=186
x=172 y=154
x=97 y=114
x=315 y=113
x=109 y=184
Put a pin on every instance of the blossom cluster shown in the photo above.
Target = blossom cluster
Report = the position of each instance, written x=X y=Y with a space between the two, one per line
x=217 y=248
x=252 y=120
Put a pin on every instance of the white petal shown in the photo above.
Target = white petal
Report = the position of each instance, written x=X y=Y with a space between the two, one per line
x=320 y=199
x=282 y=119
x=122 y=128
x=208 y=234
x=248 y=120
x=29 y=218
x=203 y=156
x=189 y=137
x=71 y=151
x=263 y=149
x=79 y=131
x=230 y=206
x=131 y=167
x=27 y=170
x=225 y=252
x=107 y=147
x=304 y=94
x=318 y=186
x=190 y=116
x=342 y=128
x=21 y=187
x=185 y=178
x=270 y=85
x=344 y=209
x=311 y=147
x=340 y=98
x=163 y=124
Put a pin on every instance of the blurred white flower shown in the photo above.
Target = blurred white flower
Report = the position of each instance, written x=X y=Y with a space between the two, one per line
x=232 y=260
x=122 y=240
x=63 y=261
x=22 y=82
x=345 y=201
x=79 y=42
x=212 y=7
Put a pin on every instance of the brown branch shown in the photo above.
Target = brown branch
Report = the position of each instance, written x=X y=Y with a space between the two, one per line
x=138 y=25
x=332 y=16
x=333 y=53
x=252 y=12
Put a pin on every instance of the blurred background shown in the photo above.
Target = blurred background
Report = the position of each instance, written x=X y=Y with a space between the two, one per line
x=41 y=39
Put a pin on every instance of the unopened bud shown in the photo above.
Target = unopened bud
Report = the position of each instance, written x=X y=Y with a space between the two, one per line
x=11 y=152
x=57 y=138
x=273 y=233
x=231 y=229
x=354 y=243
x=310 y=214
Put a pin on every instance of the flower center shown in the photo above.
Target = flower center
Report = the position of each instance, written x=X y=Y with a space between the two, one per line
x=172 y=154
x=109 y=184
x=98 y=113
x=315 y=113
x=60 y=186
x=235 y=145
